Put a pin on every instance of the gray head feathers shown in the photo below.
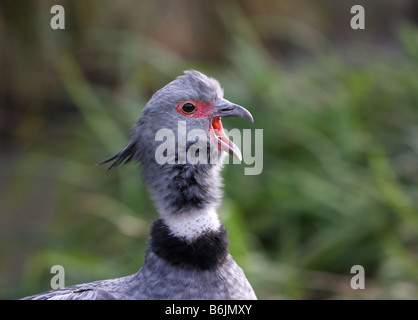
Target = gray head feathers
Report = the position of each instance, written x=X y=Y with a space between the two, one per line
x=175 y=187
x=159 y=113
x=193 y=85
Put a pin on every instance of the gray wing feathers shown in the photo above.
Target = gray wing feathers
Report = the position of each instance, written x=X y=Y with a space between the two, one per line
x=99 y=290
x=88 y=294
x=80 y=294
x=158 y=279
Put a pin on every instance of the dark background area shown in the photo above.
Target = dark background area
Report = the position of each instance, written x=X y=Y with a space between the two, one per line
x=338 y=108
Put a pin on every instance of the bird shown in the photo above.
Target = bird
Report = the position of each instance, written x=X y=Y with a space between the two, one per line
x=187 y=254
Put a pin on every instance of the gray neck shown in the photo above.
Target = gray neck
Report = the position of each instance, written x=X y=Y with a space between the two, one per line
x=187 y=195
x=182 y=188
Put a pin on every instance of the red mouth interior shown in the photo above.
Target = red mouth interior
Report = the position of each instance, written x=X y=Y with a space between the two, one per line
x=219 y=135
x=222 y=141
x=217 y=124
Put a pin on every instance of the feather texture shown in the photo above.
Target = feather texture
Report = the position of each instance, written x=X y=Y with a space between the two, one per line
x=187 y=255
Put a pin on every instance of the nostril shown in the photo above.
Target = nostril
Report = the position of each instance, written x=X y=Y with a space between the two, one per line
x=226 y=109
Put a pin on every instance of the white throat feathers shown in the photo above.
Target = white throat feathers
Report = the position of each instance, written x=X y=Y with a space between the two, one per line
x=191 y=225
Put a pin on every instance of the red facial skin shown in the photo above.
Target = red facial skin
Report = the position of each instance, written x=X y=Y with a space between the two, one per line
x=206 y=110
x=203 y=109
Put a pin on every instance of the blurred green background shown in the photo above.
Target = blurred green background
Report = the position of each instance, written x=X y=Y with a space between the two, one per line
x=339 y=110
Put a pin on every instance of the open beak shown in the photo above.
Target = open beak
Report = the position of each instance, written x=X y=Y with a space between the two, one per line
x=225 y=108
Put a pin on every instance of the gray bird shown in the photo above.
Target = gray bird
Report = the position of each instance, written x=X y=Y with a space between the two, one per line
x=179 y=142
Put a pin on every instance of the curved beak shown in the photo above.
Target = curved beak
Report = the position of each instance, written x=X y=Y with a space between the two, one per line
x=225 y=108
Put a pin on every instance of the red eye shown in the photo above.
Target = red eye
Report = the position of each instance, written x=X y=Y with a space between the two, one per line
x=188 y=108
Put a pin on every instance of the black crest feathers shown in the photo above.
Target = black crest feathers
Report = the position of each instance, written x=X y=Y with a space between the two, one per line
x=123 y=156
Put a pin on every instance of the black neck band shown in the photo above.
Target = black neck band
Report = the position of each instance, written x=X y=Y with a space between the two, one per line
x=206 y=252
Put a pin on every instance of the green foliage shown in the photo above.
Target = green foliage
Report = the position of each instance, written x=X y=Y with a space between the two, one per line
x=338 y=186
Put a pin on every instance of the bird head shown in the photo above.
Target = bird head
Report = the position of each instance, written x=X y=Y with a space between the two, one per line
x=196 y=101
x=192 y=99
